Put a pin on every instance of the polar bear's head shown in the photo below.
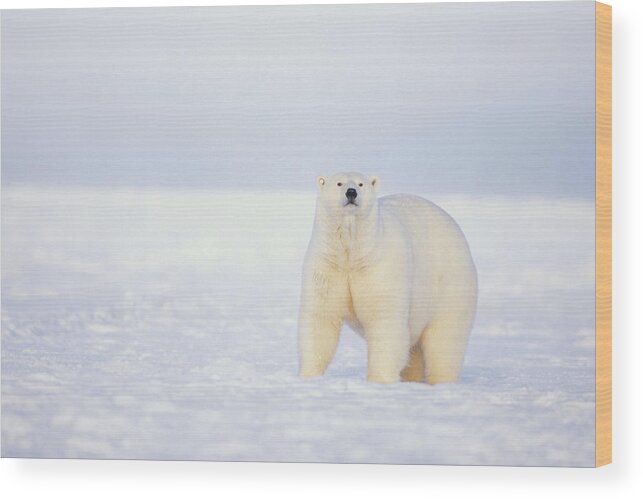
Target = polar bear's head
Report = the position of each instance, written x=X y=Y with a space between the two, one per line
x=347 y=193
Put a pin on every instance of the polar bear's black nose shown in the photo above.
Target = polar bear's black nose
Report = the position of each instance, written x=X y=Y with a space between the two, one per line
x=351 y=194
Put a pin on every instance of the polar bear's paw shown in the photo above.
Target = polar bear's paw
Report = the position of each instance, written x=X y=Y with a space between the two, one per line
x=383 y=379
x=434 y=380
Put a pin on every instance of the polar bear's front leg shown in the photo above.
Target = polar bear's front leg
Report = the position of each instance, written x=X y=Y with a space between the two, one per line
x=318 y=338
x=388 y=351
x=323 y=308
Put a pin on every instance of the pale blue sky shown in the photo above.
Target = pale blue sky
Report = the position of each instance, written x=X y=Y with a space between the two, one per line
x=493 y=98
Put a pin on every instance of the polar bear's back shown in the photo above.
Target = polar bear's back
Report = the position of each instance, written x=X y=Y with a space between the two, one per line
x=412 y=206
x=444 y=275
x=426 y=221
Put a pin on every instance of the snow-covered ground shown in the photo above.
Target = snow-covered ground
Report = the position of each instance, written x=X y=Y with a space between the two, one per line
x=158 y=324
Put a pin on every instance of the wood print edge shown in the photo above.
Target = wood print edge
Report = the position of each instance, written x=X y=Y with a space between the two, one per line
x=603 y=234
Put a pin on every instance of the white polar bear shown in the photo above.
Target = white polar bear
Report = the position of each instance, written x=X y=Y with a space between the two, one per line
x=398 y=270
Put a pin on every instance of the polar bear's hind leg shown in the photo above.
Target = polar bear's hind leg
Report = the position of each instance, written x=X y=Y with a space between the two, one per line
x=414 y=370
x=444 y=343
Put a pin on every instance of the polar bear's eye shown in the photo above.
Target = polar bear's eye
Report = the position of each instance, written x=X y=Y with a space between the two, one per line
x=339 y=184
x=361 y=185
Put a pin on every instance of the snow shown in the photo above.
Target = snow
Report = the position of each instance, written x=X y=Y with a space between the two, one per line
x=161 y=324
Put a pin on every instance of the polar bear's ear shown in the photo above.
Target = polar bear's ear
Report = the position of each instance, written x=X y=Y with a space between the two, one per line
x=375 y=182
x=321 y=181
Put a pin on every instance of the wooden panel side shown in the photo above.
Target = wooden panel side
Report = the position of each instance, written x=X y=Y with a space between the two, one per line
x=603 y=234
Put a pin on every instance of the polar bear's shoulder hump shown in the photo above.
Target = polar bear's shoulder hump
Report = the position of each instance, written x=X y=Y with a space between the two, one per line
x=410 y=206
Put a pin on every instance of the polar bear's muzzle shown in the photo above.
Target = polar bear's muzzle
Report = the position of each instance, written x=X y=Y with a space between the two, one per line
x=351 y=195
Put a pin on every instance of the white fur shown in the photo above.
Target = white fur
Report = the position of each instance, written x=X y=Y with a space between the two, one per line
x=398 y=270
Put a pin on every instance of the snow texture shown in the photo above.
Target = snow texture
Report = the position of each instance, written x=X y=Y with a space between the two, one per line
x=160 y=324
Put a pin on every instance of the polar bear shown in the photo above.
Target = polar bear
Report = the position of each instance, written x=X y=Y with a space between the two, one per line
x=398 y=270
